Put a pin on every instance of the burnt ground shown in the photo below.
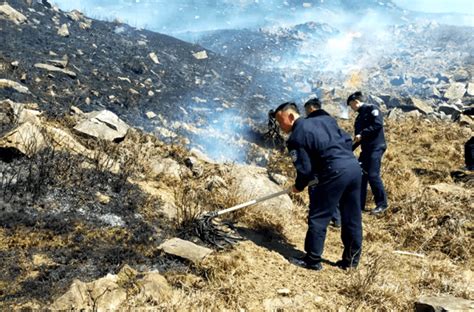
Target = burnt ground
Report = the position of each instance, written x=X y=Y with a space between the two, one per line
x=109 y=50
x=48 y=207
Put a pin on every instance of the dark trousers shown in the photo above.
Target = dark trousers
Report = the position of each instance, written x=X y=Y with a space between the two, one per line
x=371 y=160
x=469 y=154
x=340 y=186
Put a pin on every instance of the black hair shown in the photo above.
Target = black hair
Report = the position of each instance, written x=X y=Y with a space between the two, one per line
x=355 y=96
x=283 y=107
x=314 y=102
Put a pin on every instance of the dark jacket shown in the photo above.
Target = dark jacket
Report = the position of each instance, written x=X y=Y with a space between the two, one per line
x=369 y=124
x=317 y=146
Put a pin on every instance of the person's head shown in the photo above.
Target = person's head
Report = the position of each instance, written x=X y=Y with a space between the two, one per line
x=355 y=100
x=286 y=115
x=312 y=105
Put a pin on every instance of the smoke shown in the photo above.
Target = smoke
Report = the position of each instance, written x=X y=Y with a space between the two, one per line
x=332 y=42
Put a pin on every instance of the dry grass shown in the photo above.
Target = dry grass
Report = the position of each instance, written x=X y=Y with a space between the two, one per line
x=249 y=276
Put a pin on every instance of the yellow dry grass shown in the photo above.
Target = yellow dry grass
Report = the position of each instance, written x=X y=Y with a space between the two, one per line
x=421 y=221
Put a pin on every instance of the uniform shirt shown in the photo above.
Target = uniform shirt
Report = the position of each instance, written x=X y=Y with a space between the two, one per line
x=369 y=124
x=317 y=145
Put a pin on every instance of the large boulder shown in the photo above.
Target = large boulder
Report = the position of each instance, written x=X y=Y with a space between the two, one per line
x=112 y=292
x=19 y=112
x=27 y=138
x=422 y=106
x=455 y=91
x=103 y=124
x=166 y=168
x=251 y=182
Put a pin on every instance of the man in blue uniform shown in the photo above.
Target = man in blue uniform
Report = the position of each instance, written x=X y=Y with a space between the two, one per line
x=313 y=108
x=318 y=147
x=369 y=133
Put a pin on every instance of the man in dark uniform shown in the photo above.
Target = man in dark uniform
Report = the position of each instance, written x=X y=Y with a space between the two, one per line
x=318 y=147
x=369 y=133
x=310 y=107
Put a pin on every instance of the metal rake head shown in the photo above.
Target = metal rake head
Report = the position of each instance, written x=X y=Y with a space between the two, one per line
x=221 y=234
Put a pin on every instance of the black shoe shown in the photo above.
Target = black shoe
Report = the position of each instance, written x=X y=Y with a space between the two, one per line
x=344 y=265
x=378 y=210
x=317 y=266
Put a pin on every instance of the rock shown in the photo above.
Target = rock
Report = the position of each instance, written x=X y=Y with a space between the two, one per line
x=193 y=164
x=56 y=69
x=63 y=31
x=164 y=133
x=414 y=114
x=443 y=303
x=465 y=120
x=64 y=140
x=397 y=81
x=10 y=14
x=113 y=292
x=150 y=115
x=283 y=291
x=101 y=198
x=86 y=24
x=185 y=249
x=103 y=124
x=417 y=80
x=153 y=288
x=421 y=106
x=20 y=112
x=154 y=58
x=447 y=188
x=42 y=259
x=9 y=84
x=27 y=138
x=461 y=75
x=75 y=15
x=394 y=114
x=433 y=92
x=442 y=77
x=470 y=89
x=373 y=99
x=455 y=91
x=166 y=167
x=449 y=110
x=62 y=63
x=201 y=55
x=108 y=295
x=251 y=182
x=77 y=297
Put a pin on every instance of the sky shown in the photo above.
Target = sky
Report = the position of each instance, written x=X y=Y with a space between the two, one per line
x=438 y=6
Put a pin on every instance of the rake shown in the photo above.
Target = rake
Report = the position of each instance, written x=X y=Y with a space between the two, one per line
x=222 y=234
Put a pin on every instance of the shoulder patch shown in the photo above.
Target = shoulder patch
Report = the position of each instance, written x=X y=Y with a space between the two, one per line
x=375 y=112
x=294 y=155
